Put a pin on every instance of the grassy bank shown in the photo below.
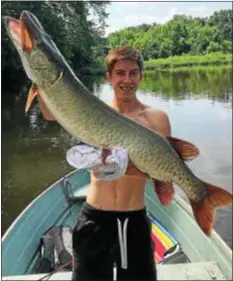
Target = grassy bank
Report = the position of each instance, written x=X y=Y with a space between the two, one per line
x=187 y=61
x=209 y=67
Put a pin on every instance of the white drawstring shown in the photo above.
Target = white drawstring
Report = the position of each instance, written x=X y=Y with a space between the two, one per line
x=114 y=271
x=123 y=242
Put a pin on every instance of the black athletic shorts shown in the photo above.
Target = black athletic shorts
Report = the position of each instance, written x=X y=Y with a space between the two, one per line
x=112 y=245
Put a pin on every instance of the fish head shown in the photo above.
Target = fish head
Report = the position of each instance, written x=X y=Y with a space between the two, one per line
x=40 y=57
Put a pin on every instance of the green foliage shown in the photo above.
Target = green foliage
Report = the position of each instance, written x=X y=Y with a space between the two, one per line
x=223 y=21
x=227 y=46
x=69 y=25
x=213 y=47
x=181 y=35
x=190 y=60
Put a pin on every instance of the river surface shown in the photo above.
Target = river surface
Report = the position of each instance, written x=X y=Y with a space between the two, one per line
x=198 y=102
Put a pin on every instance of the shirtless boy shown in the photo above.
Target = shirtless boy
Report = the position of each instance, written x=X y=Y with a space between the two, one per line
x=112 y=237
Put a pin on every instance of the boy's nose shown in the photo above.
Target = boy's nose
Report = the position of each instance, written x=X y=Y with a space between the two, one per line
x=127 y=78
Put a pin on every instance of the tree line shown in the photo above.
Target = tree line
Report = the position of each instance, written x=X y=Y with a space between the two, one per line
x=78 y=28
x=181 y=35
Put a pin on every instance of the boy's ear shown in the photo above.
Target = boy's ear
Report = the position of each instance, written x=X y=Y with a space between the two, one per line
x=108 y=76
x=141 y=76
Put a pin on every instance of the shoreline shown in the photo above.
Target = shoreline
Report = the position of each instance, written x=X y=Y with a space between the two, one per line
x=188 y=65
x=186 y=68
x=179 y=63
x=189 y=61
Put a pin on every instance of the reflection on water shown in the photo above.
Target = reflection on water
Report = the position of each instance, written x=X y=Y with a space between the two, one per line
x=199 y=104
x=211 y=83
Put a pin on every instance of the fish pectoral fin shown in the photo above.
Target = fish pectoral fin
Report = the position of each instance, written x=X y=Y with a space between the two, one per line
x=204 y=210
x=164 y=190
x=31 y=95
x=186 y=150
x=44 y=110
x=34 y=92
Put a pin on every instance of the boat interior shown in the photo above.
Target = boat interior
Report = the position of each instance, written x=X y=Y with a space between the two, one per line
x=186 y=254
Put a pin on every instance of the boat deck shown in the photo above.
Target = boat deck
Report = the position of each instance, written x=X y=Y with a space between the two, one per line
x=187 y=271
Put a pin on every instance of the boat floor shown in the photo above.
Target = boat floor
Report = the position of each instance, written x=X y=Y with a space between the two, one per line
x=187 y=271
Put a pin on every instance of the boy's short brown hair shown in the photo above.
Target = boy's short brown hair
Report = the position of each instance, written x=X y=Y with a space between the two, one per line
x=125 y=53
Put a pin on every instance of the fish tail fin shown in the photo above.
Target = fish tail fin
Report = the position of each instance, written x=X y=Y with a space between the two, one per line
x=204 y=210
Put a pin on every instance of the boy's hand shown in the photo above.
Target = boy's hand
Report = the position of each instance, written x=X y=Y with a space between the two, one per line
x=87 y=157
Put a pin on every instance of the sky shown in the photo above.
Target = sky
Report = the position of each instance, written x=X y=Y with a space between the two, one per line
x=131 y=13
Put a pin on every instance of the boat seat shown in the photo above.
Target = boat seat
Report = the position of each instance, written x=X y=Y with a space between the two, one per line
x=186 y=271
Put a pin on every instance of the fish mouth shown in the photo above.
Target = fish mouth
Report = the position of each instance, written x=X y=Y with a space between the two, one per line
x=25 y=32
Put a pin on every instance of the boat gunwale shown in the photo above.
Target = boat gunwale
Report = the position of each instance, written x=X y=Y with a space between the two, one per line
x=214 y=235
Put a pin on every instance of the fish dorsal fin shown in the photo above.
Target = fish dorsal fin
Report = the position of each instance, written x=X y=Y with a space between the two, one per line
x=186 y=150
x=31 y=95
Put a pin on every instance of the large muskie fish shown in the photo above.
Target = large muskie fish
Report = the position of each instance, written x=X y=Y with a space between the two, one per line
x=64 y=98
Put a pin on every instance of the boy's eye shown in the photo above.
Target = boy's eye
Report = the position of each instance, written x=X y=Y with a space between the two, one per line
x=120 y=73
x=134 y=73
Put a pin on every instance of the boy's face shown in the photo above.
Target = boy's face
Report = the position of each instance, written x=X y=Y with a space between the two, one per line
x=125 y=78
